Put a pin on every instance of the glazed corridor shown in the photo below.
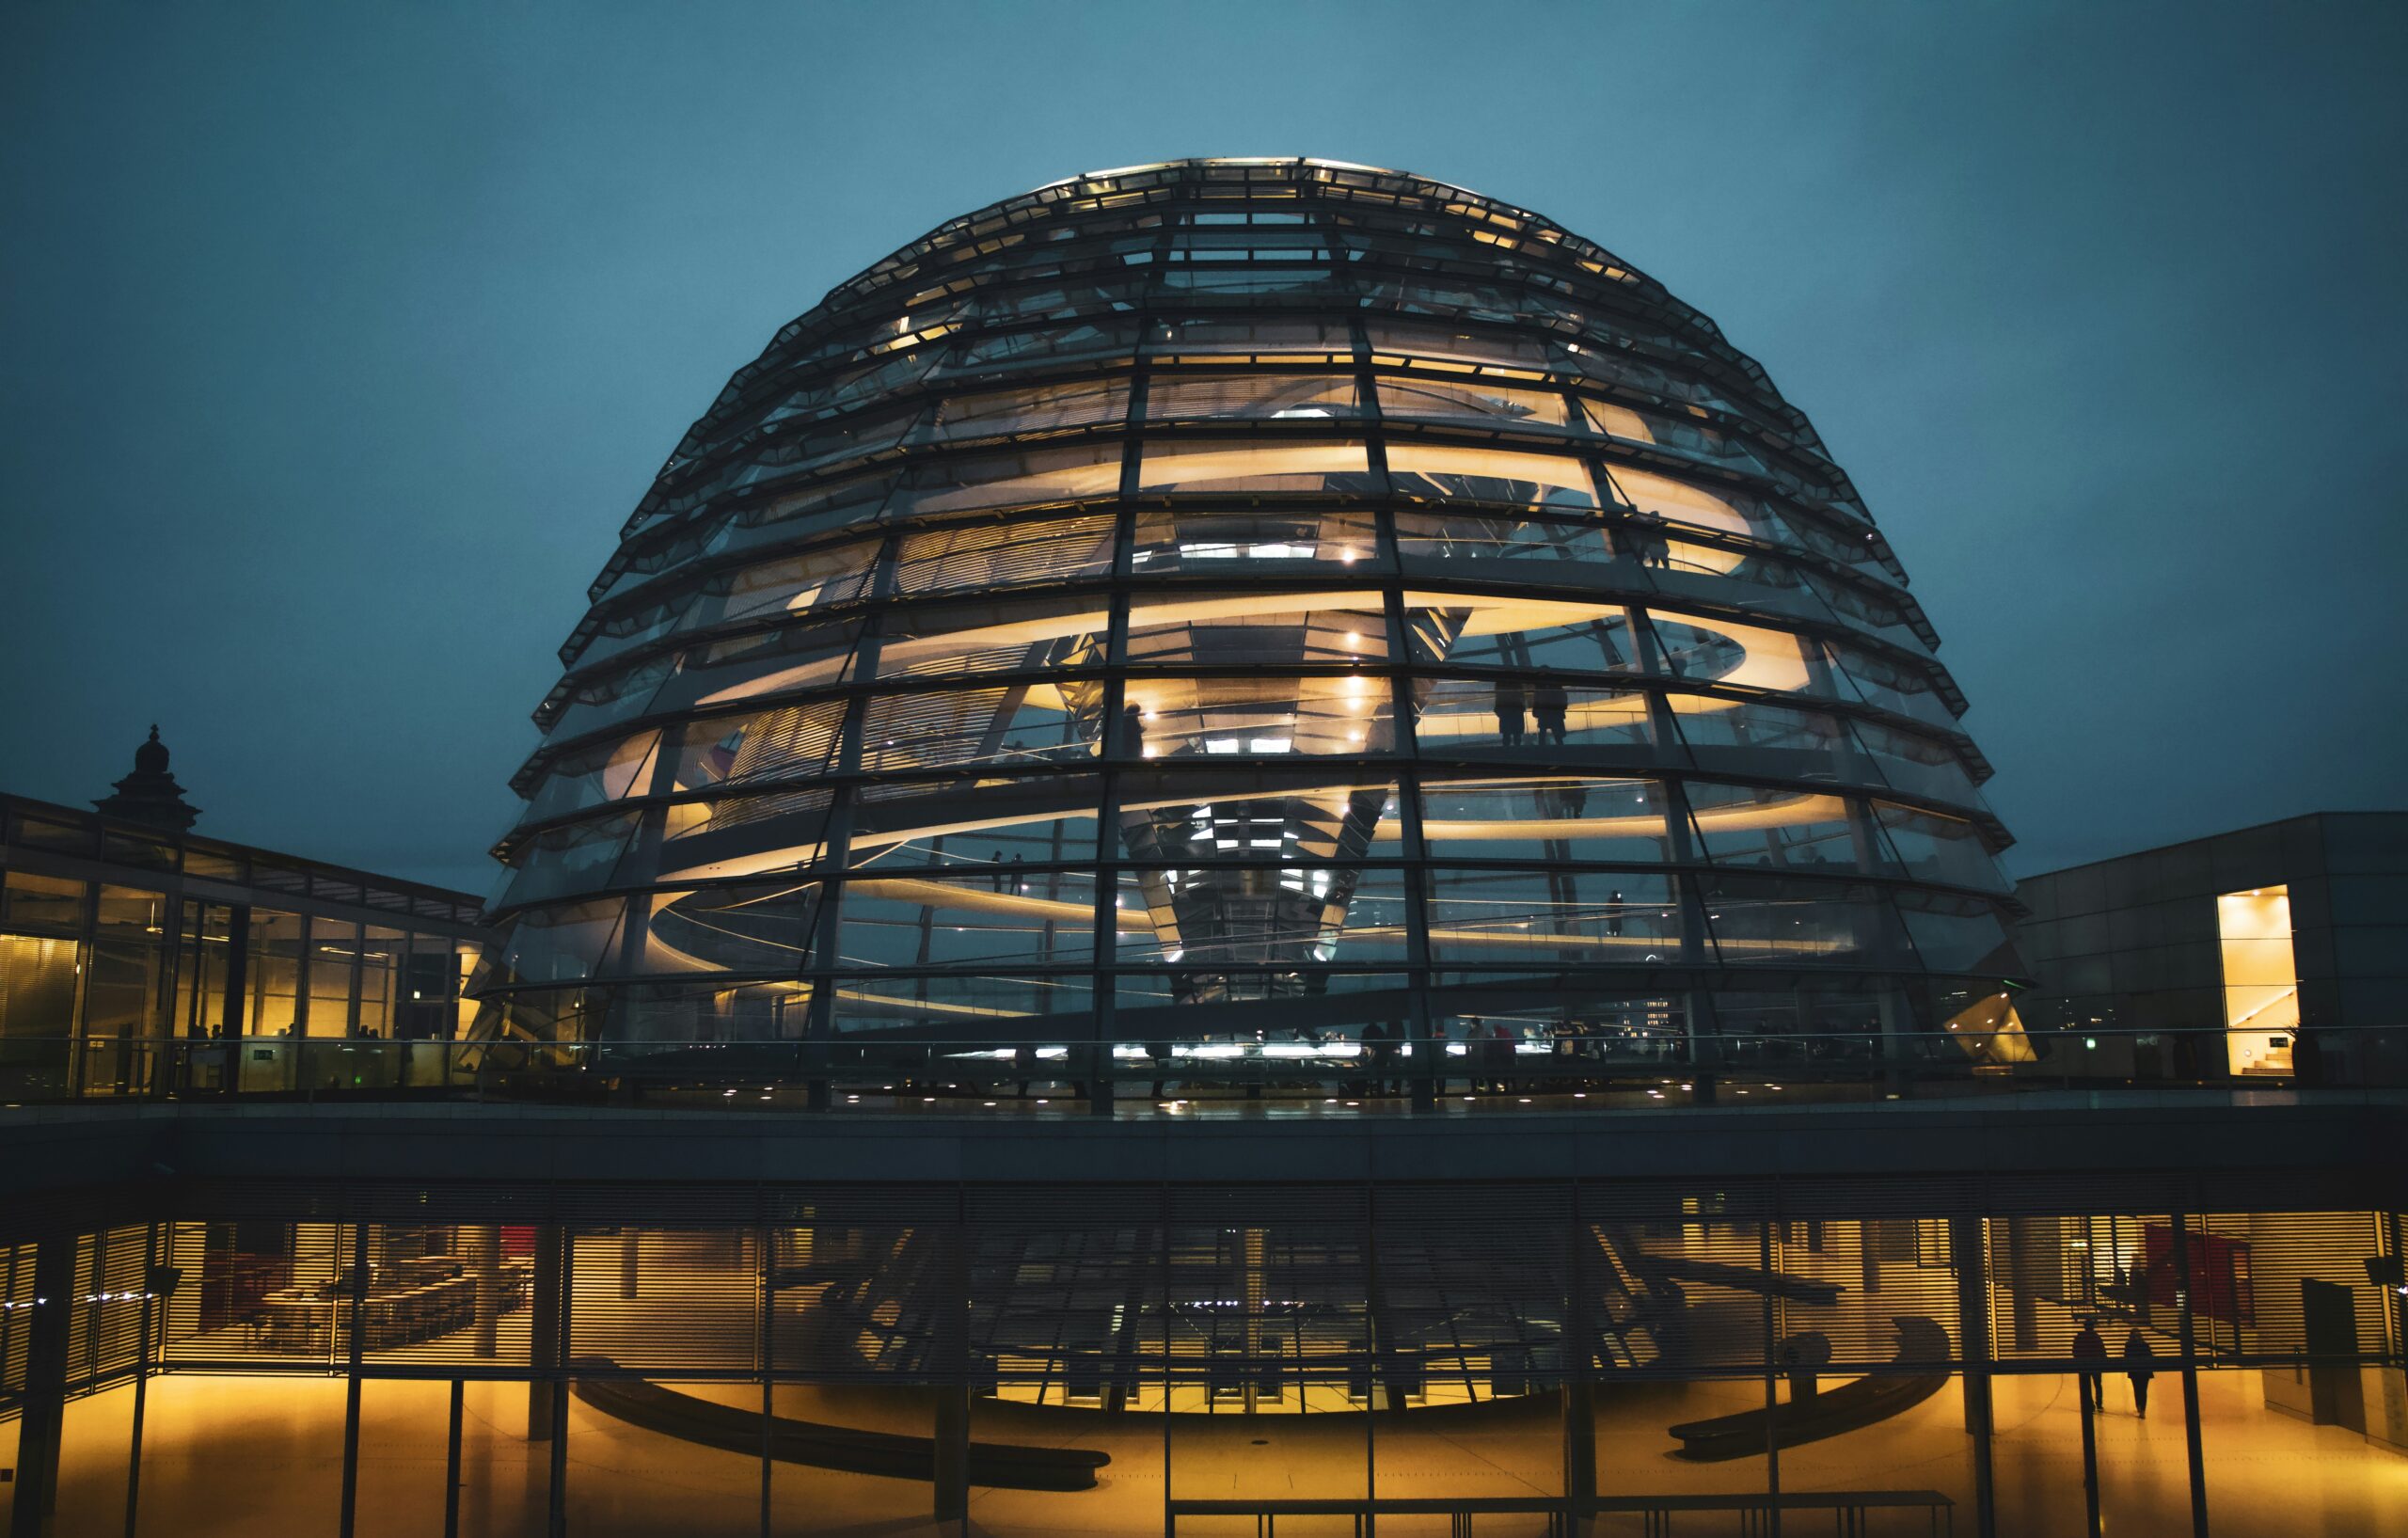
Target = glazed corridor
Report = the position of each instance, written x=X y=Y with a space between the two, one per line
x=1181 y=1360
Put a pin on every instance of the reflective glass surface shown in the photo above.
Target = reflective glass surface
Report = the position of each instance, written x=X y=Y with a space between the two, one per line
x=1310 y=584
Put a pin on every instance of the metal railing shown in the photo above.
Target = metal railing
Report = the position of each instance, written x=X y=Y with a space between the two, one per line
x=1296 y=1069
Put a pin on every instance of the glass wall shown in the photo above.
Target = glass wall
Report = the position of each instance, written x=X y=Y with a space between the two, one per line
x=129 y=984
x=1197 y=1356
x=1325 y=541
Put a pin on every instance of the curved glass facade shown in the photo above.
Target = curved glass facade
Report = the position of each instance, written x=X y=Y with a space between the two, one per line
x=1242 y=602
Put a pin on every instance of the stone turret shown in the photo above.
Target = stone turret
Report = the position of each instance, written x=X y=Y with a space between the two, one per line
x=151 y=794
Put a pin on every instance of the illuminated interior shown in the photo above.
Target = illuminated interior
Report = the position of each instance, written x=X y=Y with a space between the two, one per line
x=2260 y=980
x=1206 y=605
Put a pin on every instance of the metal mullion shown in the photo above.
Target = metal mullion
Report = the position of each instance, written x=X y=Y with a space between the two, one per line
x=1104 y=933
x=1427 y=1050
x=835 y=846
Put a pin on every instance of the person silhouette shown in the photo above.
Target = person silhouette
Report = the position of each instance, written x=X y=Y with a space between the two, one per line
x=1548 y=704
x=2139 y=1365
x=2090 y=1354
x=1509 y=712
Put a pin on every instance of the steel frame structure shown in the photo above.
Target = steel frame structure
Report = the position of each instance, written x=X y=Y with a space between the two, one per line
x=1086 y=627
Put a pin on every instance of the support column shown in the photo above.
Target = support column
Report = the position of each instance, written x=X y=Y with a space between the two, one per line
x=1772 y=1391
x=452 y=1461
x=358 y=1290
x=557 y=1487
x=1965 y=1236
x=543 y=1334
x=151 y=1290
x=485 y=1266
x=1579 y=1394
x=2191 y=1381
x=45 y=1400
x=950 y=1421
x=2025 y=1277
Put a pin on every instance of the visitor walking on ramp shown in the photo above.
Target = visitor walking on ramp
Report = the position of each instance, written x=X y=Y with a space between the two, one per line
x=2139 y=1365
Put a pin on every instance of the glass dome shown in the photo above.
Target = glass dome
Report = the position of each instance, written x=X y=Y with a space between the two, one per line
x=1241 y=602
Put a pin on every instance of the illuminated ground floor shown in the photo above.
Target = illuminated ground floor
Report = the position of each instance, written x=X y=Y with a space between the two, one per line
x=243 y=1455
x=1502 y=1327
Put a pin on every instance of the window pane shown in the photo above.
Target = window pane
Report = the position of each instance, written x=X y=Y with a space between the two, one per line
x=1478 y=717
x=1590 y=917
x=1476 y=403
x=1231 y=465
x=1277 y=396
x=1447 y=472
x=1279 y=629
x=1210 y=718
x=985 y=557
x=1026 y=724
x=1040 y=917
x=1557 y=817
x=1207 y=541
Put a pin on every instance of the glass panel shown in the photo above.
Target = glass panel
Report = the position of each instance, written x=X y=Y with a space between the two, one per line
x=1889 y=685
x=1000 y=479
x=1554 y=818
x=983 y=824
x=1913 y=763
x=994 y=351
x=1449 y=471
x=1028 y=723
x=1800 y=923
x=1260 y=340
x=37 y=980
x=964 y=1011
x=1234 y=465
x=1515 y=632
x=780 y=832
x=1936 y=849
x=1510 y=915
x=760 y=927
x=1784 y=830
x=1478 y=717
x=334 y=963
x=1276 y=396
x=1274 y=916
x=1187 y=817
x=1402 y=343
x=575 y=858
x=47 y=902
x=1956 y=934
x=380 y=963
x=560 y=945
x=1023 y=635
x=985 y=556
x=1721 y=651
x=794 y=743
x=1179 y=718
x=1044 y=917
x=1208 y=542
x=1476 y=403
x=274 y=968
x=1463 y=537
x=590 y=776
x=1281 y=630
x=1006 y=413
x=1677 y=501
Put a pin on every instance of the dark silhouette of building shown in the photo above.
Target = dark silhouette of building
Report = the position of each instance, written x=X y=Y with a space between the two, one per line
x=150 y=794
